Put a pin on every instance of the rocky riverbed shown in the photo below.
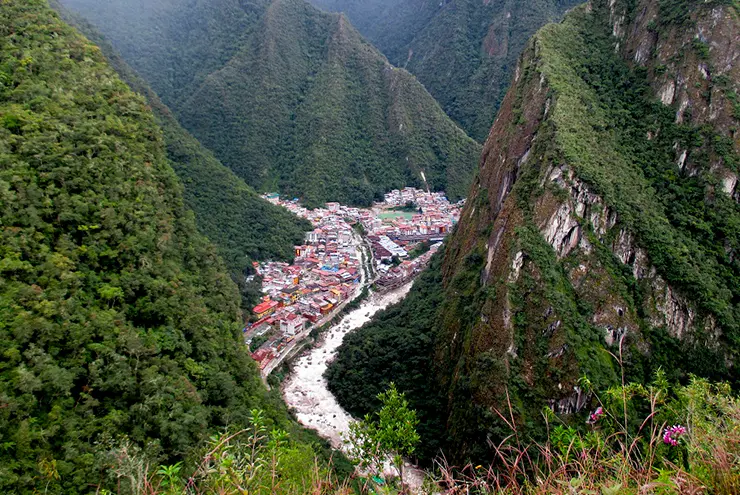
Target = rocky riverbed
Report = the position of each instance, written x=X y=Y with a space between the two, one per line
x=306 y=390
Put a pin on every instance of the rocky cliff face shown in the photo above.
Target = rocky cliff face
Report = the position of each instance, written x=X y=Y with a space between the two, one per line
x=692 y=66
x=603 y=221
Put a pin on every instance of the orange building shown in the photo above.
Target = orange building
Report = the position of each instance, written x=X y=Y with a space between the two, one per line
x=266 y=308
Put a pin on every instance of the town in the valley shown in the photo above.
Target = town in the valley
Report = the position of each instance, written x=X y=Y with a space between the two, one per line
x=348 y=250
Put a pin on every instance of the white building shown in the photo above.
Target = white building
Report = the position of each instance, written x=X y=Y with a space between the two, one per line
x=312 y=237
x=391 y=246
x=292 y=324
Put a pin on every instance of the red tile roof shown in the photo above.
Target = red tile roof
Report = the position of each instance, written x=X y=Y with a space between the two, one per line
x=265 y=306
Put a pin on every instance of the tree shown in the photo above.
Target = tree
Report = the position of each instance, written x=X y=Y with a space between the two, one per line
x=390 y=435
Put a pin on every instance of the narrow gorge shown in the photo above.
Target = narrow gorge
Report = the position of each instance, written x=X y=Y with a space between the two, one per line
x=494 y=247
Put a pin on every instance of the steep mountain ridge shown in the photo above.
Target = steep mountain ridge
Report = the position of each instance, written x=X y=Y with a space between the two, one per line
x=120 y=329
x=302 y=104
x=603 y=236
x=389 y=24
x=463 y=51
x=173 y=45
x=603 y=222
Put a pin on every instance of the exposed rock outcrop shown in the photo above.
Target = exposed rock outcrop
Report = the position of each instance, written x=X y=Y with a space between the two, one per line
x=566 y=265
x=601 y=229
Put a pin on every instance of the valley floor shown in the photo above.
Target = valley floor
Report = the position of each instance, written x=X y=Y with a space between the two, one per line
x=305 y=389
x=349 y=251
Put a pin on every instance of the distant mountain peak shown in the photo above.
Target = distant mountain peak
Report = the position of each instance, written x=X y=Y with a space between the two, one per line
x=303 y=105
x=463 y=51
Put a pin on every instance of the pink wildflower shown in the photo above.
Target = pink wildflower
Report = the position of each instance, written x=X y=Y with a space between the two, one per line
x=595 y=416
x=672 y=434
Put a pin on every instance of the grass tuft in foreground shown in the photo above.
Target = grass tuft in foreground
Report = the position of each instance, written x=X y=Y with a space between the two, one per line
x=638 y=439
x=653 y=439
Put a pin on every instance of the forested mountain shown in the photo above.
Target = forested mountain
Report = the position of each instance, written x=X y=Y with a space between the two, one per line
x=243 y=226
x=289 y=97
x=463 y=51
x=603 y=228
x=119 y=326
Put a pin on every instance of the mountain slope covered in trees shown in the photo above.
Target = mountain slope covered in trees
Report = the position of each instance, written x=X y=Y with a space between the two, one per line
x=296 y=100
x=119 y=326
x=603 y=229
x=243 y=226
x=463 y=51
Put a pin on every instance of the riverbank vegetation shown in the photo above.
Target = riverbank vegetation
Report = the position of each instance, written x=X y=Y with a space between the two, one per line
x=404 y=332
x=421 y=248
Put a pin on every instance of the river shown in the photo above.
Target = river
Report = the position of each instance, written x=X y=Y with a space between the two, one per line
x=306 y=391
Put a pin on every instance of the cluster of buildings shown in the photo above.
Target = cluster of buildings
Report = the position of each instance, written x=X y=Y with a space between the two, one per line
x=412 y=214
x=403 y=233
x=395 y=275
x=326 y=272
x=422 y=199
x=406 y=230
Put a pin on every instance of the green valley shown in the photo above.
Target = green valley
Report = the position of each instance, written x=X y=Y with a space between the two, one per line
x=216 y=278
x=296 y=101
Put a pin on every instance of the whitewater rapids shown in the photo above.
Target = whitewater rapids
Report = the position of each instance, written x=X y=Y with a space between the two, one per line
x=306 y=390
